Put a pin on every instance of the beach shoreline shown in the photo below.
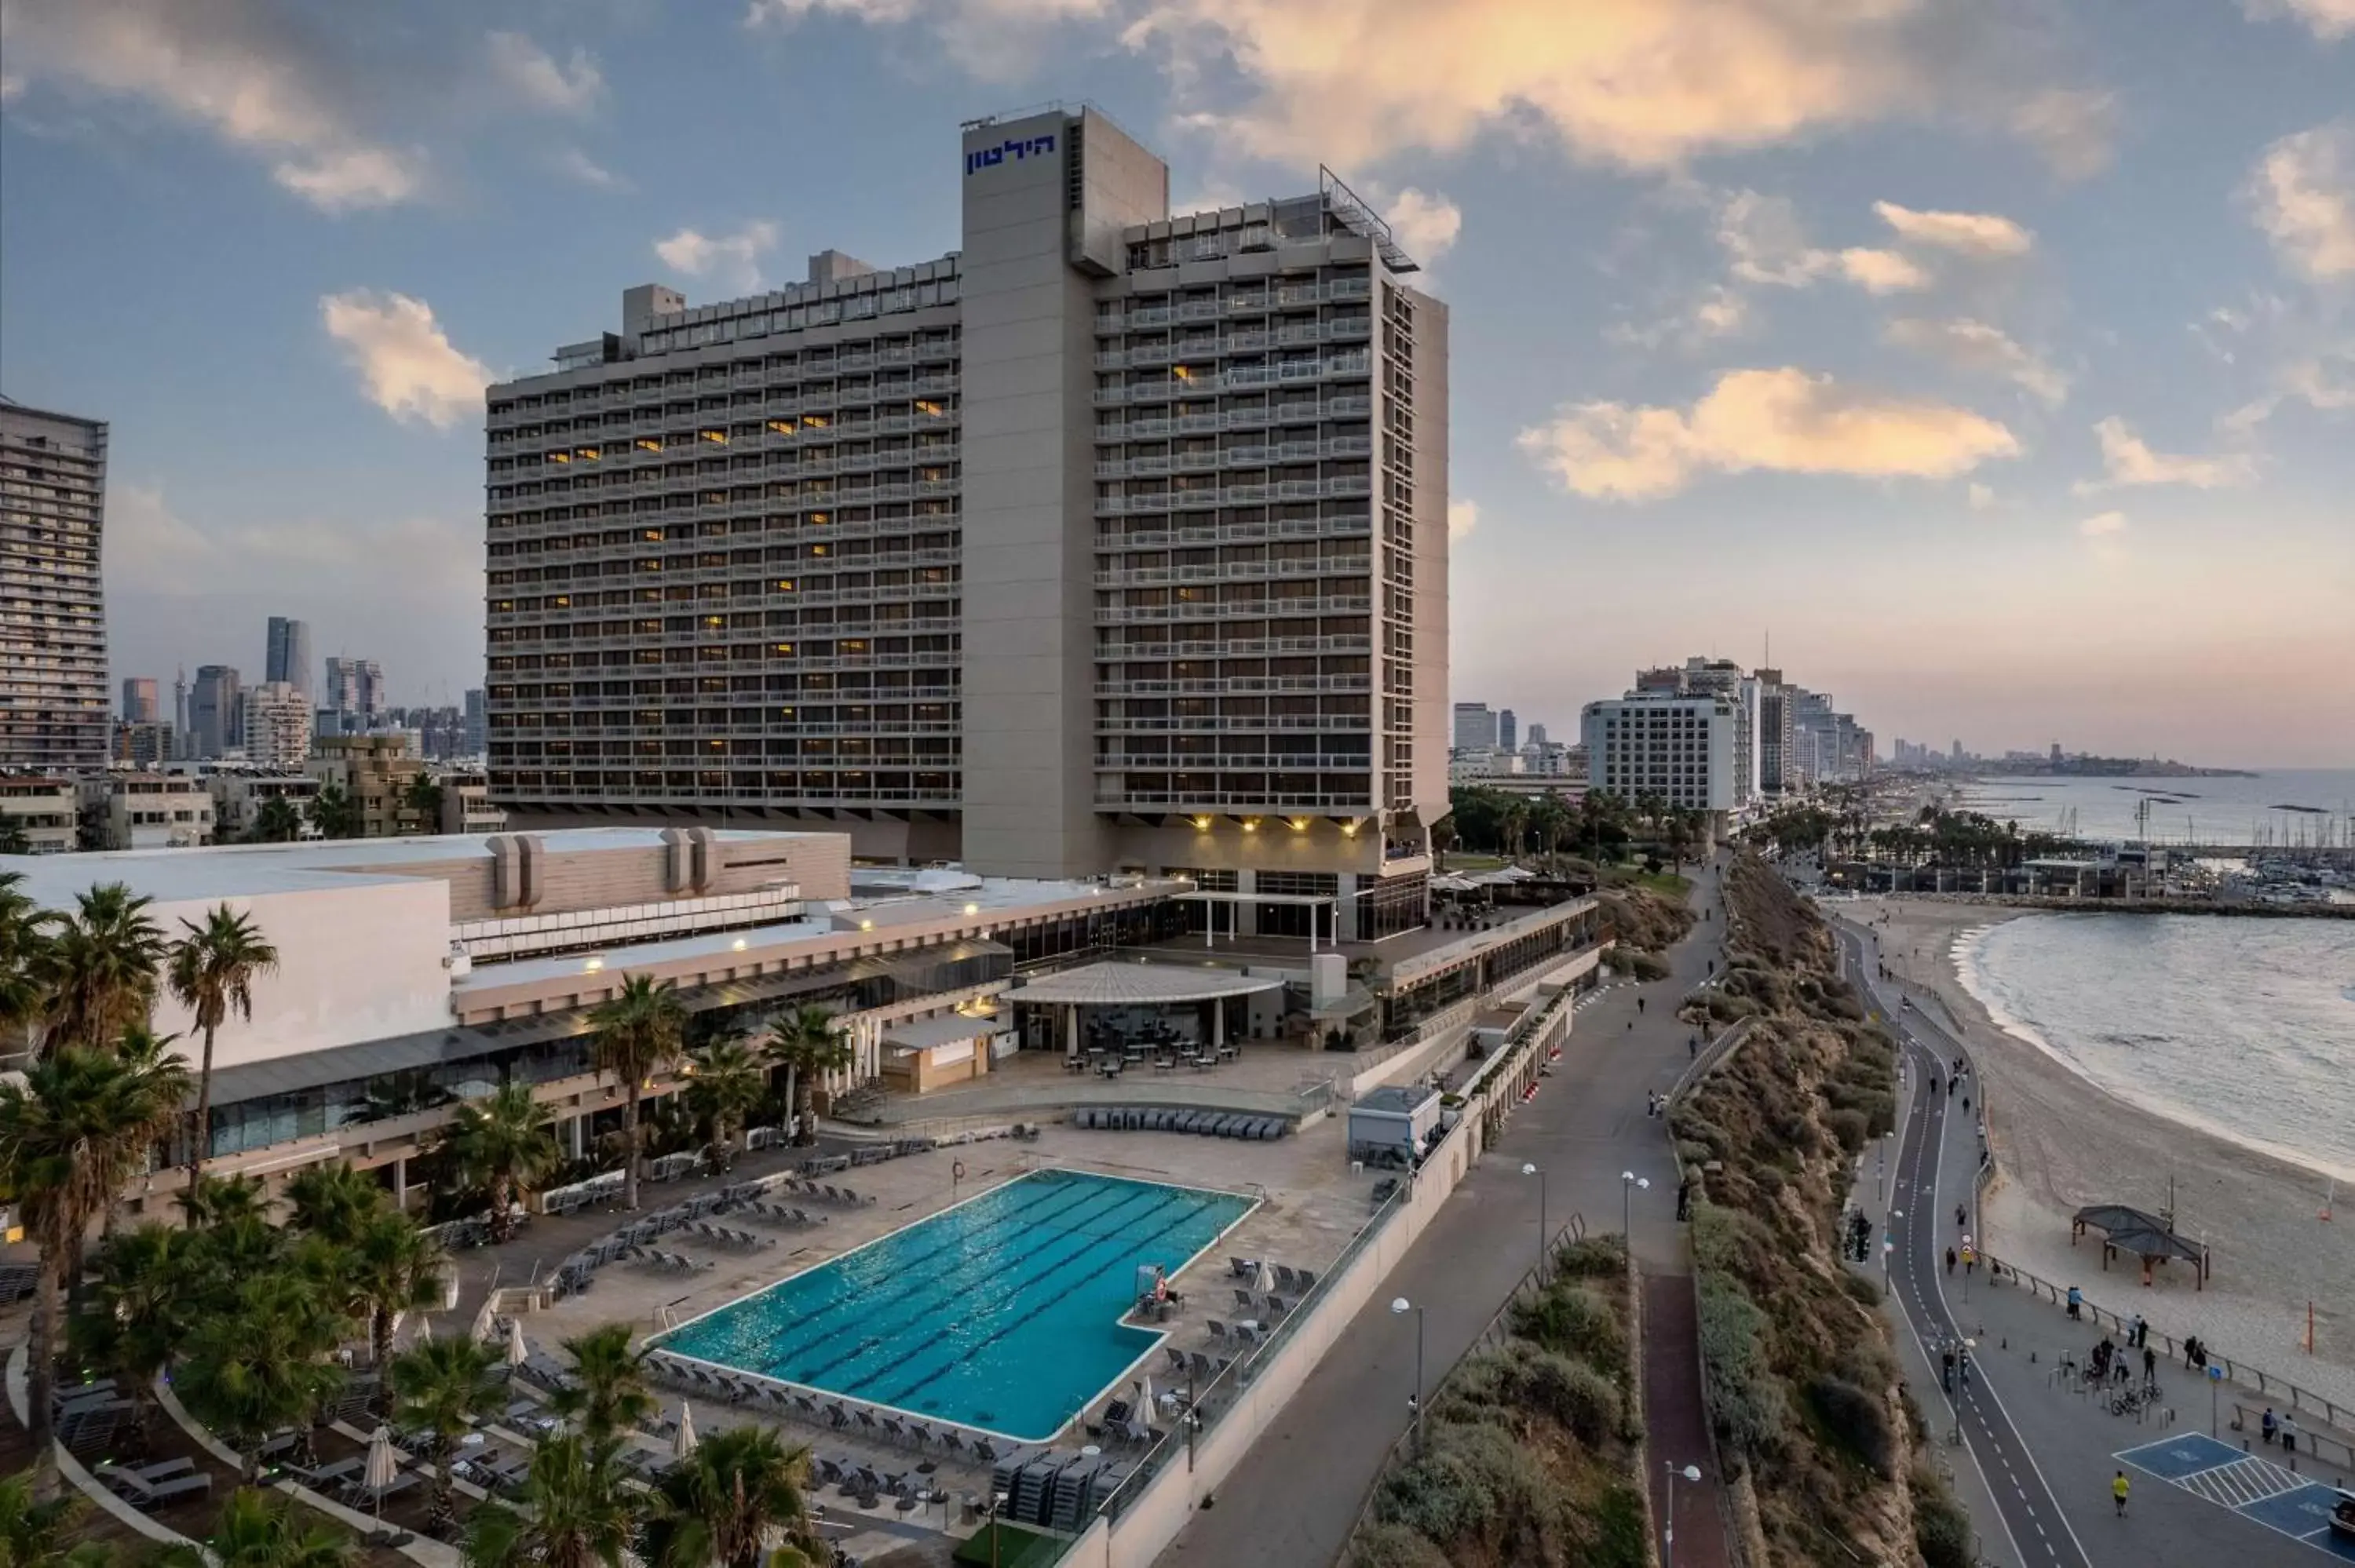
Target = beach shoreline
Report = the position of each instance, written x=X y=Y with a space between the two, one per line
x=2062 y=1141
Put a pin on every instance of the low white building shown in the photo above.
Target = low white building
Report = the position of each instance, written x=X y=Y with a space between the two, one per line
x=238 y=799
x=147 y=811
x=1679 y=747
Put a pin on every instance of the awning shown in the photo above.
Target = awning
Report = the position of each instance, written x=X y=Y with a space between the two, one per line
x=2131 y=1229
x=1143 y=985
x=948 y=1028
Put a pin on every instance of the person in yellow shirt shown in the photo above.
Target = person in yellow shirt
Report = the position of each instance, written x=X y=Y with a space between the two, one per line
x=2118 y=1490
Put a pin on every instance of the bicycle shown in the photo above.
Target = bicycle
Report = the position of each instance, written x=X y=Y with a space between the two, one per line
x=2132 y=1401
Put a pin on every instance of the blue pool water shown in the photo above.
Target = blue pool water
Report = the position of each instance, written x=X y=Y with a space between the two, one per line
x=1001 y=1313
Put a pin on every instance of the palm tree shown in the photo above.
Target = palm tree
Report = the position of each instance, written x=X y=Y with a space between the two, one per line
x=607 y=1394
x=72 y=1130
x=260 y=1364
x=502 y=1143
x=638 y=1033
x=217 y=1199
x=396 y=1268
x=424 y=797
x=213 y=970
x=36 y=1534
x=442 y=1386
x=334 y=1201
x=576 y=1512
x=98 y=969
x=805 y=1044
x=257 y=1530
x=717 y=1506
x=137 y=1314
x=336 y=812
x=24 y=938
x=276 y=821
x=729 y=1080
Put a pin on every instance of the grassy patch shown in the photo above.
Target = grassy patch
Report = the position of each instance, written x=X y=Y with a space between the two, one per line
x=1016 y=1547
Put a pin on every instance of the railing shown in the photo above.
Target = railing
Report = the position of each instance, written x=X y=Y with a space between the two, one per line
x=2265 y=1382
x=2251 y=1419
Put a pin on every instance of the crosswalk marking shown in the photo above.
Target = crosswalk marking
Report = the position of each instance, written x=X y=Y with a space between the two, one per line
x=2245 y=1480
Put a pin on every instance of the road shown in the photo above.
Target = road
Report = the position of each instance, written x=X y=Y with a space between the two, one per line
x=1294 y=1498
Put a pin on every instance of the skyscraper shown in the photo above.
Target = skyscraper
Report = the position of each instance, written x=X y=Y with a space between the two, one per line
x=355 y=691
x=53 y=639
x=1475 y=727
x=275 y=725
x=1508 y=731
x=216 y=711
x=1193 y=575
x=288 y=657
x=141 y=701
x=477 y=731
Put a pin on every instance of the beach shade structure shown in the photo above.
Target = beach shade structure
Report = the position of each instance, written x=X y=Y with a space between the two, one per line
x=518 y=1352
x=682 y=1442
x=2148 y=1236
x=1145 y=1405
x=383 y=1468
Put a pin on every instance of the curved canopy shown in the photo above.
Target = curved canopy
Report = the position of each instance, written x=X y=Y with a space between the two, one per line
x=2131 y=1229
x=1141 y=985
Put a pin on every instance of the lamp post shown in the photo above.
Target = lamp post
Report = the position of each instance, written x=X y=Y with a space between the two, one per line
x=1400 y=1308
x=1629 y=1183
x=996 y=1501
x=1543 y=1232
x=1669 y=1540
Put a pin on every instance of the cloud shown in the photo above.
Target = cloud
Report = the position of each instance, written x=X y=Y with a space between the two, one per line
x=1783 y=421
x=537 y=78
x=1880 y=271
x=2102 y=525
x=2127 y=459
x=237 y=68
x=1427 y=223
x=2330 y=19
x=733 y=260
x=1718 y=312
x=995 y=40
x=2302 y=194
x=406 y=362
x=1463 y=516
x=575 y=164
x=1981 y=234
x=1974 y=345
x=1982 y=497
x=181 y=590
x=2076 y=129
x=1767 y=244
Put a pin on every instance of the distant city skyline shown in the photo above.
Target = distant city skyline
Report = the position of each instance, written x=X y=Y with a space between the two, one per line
x=2001 y=358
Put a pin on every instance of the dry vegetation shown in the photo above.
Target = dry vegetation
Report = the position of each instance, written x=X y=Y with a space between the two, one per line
x=1646 y=924
x=1801 y=1386
x=1529 y=1458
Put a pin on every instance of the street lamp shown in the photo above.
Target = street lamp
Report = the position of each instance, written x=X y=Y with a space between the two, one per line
x=1543 y=1233
x=1668 y=1540
x=1400 y=1308
x=1629 y=1183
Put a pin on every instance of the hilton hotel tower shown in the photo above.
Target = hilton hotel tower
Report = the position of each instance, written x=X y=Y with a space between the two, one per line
x=1108 y=541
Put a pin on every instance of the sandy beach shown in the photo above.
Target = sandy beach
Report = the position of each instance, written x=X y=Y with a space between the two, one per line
x=2062 y=1142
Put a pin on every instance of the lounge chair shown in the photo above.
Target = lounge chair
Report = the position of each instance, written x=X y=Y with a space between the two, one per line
x=893 y=1430
x=1201 y=1365
x=953 y=1442
x=142 y=1493
x=1241 y=1267
x=1287 y=1281
x=1177 y=1360
x=1218 y=1333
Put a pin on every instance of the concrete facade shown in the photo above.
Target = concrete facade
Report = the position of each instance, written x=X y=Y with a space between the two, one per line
x=53 y=642
x=1025 y=556
x=275 y=722
x=1680 y=749
x=46 y=811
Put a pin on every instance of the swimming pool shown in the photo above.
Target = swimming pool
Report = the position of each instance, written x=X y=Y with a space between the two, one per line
x=1001 y=1313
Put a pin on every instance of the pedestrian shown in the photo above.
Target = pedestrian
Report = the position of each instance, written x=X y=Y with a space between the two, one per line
x=1963 y=1364
x=2149 y=1367
x=1693 y=1048
x=1946 y=1370
x=1639 y=1005
x=2191 y=1351
x=1962 y=1216
x=2076 y=1304
x=2288 y=1436
x=1966 y=1105
x=2270 y=1427
x=2135 y=1334
x=1950 y=1260
x=1970 y=1259
x=2118 y=1488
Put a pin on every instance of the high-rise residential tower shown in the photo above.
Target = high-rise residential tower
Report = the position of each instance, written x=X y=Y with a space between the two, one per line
x=52 y=604
x=288 y=657
x=275 y=725
x=354 y=693
x=216 y=711
x=1108 y=539
x=1473 y=728
x=1508 y=730
x=141 y=701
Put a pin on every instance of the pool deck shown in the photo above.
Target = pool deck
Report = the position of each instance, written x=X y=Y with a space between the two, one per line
x=1310 y=1207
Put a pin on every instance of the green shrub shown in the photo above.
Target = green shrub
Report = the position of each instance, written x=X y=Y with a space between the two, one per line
x=1848 y=1127
x=1942 y=1531
x=1693 y=1152
x=1583 y=1400
x=1861 y=1288
x=1591 y=1257
x=1394 y=1546
x=1477 y=1488
x=1577 y=1323
x=1646 y=966
x=1745 y=1403
x=1620 y=1538
x=1858 y=1421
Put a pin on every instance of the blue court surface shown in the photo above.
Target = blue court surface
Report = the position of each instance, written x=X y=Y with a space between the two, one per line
x=2250 y=1485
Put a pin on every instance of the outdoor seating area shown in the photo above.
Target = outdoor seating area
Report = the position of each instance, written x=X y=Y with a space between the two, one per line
x=149 y=1487
x=87 y=1415
x=1159 y=1119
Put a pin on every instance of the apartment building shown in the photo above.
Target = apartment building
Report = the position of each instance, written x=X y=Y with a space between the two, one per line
x=466 y=804
x=145 y=810
x=379 y=774
x=38 y=815
x=147 y=744
x=52 y=602
x=1108 y=540
x=238 y=799
x=1679 y=747
x=1472 y=727
x=275 y=722
x=141 y=702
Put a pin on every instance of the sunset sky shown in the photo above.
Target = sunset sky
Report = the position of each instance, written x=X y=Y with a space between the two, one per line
x=1996 y=357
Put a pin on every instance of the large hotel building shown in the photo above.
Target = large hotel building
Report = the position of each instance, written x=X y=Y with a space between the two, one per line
x=1108 y=541
x=53 y=690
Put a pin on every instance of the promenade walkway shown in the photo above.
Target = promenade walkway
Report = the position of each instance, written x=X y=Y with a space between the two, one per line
x=1297 y=1495
x=2039 y=1449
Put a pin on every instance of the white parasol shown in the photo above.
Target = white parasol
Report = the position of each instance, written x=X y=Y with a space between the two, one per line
x=682 y=1442
x=424 y=1335
x=518 y=1352
x=1263 y=1280
x=383 y=1468
x=1145 y=1406
x=483 y=1320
